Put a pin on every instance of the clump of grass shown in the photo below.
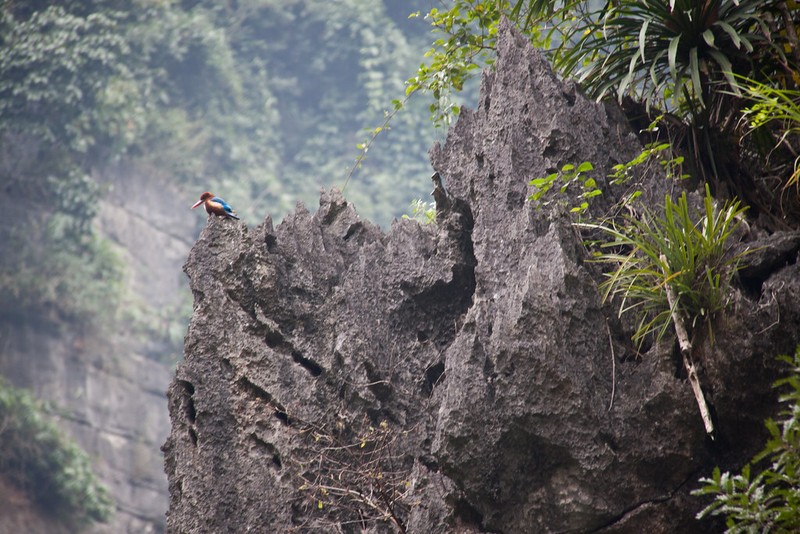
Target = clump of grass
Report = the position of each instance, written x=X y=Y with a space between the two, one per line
x=691 y=254
x=772 y=105
x=422 y=212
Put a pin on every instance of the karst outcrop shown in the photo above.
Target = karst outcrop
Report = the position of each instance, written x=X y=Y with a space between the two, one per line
x=464 y=375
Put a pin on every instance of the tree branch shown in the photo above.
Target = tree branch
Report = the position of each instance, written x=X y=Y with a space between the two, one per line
x=688 y=363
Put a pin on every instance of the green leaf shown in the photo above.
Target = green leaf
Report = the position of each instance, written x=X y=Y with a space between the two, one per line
x=626 y=81
x=591 y=194
x=708 y=37
x=580 y=209
x=732 y=33
x=672 y=56
x=694 y=70
x=643 y=38
x=727 y=70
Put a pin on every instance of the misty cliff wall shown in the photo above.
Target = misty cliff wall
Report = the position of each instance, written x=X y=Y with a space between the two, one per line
x=109 y=398
x=456 y=376
x=105 y=386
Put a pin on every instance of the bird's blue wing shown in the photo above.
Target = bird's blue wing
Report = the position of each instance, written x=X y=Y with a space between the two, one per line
x=224 y=204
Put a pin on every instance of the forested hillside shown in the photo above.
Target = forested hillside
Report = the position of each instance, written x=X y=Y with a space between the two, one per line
x=262 y=102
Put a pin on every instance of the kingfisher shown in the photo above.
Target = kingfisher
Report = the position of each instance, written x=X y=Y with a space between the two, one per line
x=216 y=206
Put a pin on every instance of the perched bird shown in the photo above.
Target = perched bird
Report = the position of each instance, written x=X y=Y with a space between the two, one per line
x=216 y=206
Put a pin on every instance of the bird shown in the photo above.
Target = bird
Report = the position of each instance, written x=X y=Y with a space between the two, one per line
x=216 y=206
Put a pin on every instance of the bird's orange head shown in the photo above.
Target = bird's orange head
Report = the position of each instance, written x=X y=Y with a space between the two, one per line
x=205 y=196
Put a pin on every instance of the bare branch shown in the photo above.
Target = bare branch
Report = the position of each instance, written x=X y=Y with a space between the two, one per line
x=686 y=351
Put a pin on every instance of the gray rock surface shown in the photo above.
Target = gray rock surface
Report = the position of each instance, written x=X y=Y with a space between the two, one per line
x=458 y=376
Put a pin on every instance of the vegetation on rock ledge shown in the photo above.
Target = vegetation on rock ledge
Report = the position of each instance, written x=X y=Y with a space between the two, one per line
x=37 y=458
x=770 y=500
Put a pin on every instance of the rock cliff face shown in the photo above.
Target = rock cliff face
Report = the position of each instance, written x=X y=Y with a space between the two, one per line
x=461 y=376
x=106 y=388
x=109 y=399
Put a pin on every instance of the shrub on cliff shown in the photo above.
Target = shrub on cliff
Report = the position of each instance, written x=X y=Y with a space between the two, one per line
x=698 y=66
x=37 y=457
x=770 y=500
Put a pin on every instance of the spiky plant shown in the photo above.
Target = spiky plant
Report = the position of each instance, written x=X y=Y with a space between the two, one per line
x=671 y=53
x=690 y=254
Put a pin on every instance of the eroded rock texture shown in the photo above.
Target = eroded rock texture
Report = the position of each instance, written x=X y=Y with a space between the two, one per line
x=458 y=376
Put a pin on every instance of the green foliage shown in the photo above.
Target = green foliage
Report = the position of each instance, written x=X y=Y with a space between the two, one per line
x=675 y=52
x=570 y=176
x=41 y=461
x=68 y=96
x=469 y=30
x=322 y=96
x=75 y=199
x=661 y=51
x=54 y=74
x=57 y=267
x=681 y=56
x=652 y=151
x=692 y=256
x=57 y=282
x=422 y=212
x=770 y=500
x=771 y=105
x=213 y=109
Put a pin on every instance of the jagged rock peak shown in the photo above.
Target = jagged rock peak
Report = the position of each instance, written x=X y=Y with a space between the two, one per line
x=450 y=377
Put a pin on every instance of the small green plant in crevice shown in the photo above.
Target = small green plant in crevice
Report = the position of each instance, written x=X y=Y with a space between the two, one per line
x=770 y=500
x=672 y=166
x=570 y=176
x=573 y=178
x=691 y=255
x=423 y=212
x=37 y=458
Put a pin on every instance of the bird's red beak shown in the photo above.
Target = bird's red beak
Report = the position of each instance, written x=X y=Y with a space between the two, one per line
x=197 y=203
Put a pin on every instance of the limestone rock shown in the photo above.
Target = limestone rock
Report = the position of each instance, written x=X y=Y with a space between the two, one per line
x=461 y=376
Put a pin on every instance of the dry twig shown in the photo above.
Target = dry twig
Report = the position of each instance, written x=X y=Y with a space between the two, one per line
x=686 y=351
